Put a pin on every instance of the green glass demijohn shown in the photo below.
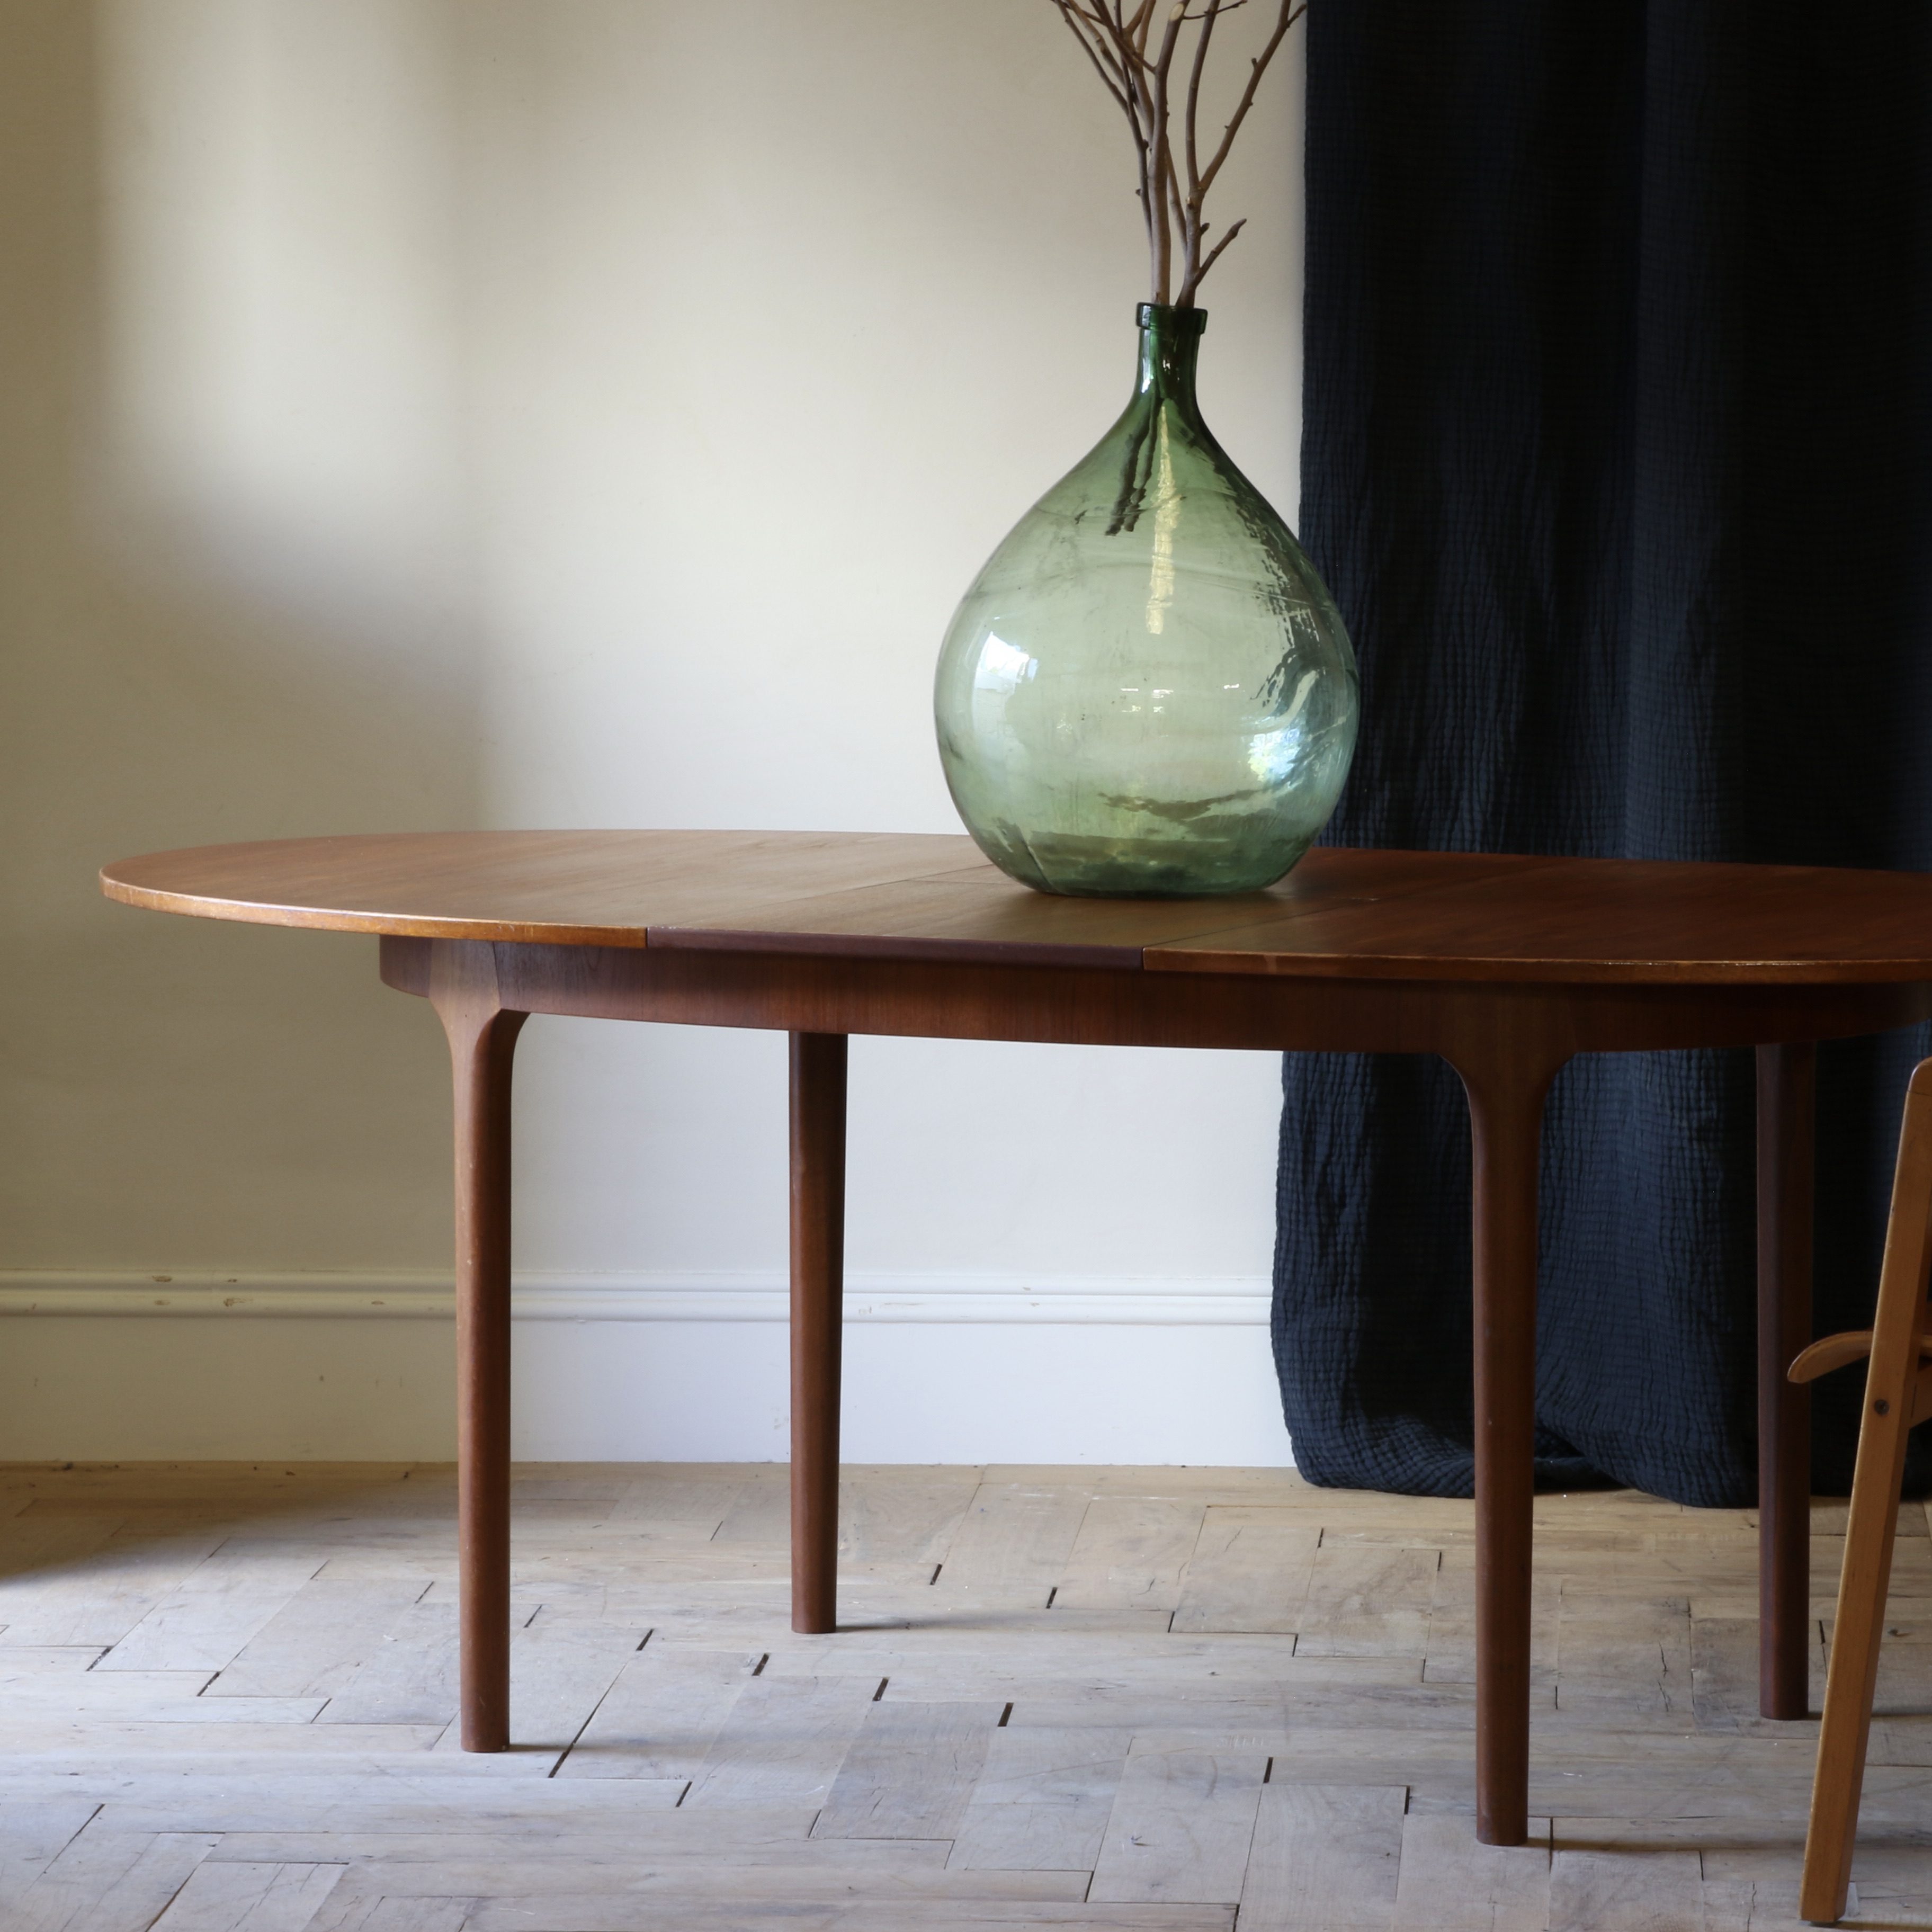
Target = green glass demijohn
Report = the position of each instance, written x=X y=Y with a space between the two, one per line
x=1147 y=692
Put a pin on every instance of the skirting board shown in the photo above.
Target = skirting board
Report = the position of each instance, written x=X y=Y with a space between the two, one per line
x=1159 y=1303
x=632 y=1369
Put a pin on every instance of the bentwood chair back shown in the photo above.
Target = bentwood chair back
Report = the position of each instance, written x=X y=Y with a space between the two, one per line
x=1898 y=1392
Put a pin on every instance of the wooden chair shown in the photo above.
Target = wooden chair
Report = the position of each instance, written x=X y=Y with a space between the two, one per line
x=1898 y=1392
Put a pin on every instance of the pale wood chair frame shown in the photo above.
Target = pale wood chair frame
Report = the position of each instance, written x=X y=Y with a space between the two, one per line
x=1898 y=1392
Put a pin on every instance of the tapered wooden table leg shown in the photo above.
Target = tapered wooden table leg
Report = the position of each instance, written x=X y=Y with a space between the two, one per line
x=1506 y=1093
x=482 y=1039
x=1785 y=1088
x=817 y=1296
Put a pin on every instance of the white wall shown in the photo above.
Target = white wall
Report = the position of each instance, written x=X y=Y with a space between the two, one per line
x=427 y=413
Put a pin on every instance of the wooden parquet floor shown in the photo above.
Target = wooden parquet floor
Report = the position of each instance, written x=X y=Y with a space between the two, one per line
x=1173 y=1700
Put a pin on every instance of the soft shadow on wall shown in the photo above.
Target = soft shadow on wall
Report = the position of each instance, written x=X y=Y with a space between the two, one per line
x=232 y=571
x=443 y=412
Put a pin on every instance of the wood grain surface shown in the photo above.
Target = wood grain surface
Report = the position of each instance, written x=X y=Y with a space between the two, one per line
x=1505 y=965
x=1893 y=1380
x=1339 y=914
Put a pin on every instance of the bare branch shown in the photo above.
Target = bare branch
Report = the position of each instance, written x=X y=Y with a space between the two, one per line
x=1139 y=109
x=1141 y=162
x=1102 y=56
x=1290 y=13
x=1114 y=36
x=1163 y=154
x=1098 y=33
x=1190 y=225
x=1201 y=45
x=1130 y=61
x=1177 y=201
x=1105 y=28
x=1214 y=255
x=1135 y=31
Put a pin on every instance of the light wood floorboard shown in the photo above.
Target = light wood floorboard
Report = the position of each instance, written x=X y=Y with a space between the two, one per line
x=1127 y=1700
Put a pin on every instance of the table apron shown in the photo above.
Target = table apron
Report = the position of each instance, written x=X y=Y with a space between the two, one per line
x=1111 y=1007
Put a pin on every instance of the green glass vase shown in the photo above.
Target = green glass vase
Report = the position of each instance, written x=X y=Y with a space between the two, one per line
x=1147 y=692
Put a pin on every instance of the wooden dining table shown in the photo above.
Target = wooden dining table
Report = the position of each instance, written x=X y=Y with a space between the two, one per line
x=1506 y=966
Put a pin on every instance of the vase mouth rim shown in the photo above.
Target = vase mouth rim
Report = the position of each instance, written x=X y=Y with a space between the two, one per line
x=1194 y=320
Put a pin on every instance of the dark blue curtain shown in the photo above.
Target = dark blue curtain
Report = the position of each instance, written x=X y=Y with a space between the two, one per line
x=1619 y=350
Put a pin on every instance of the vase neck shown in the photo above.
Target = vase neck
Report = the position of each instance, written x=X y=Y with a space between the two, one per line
x=1170 y=344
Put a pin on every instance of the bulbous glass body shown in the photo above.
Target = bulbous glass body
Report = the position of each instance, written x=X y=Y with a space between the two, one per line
x=1147 y=692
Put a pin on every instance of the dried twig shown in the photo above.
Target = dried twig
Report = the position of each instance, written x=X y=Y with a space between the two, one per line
x=1116 y=42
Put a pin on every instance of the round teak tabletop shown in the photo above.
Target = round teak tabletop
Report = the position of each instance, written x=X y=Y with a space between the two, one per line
x=1358 y=915
x=1506 y=966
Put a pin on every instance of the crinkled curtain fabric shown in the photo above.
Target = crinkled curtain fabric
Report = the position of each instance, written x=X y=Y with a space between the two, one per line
x=1616 y=457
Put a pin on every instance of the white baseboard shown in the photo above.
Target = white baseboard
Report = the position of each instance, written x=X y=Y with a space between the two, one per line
x=1160 y=1302
x=636 y=1367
